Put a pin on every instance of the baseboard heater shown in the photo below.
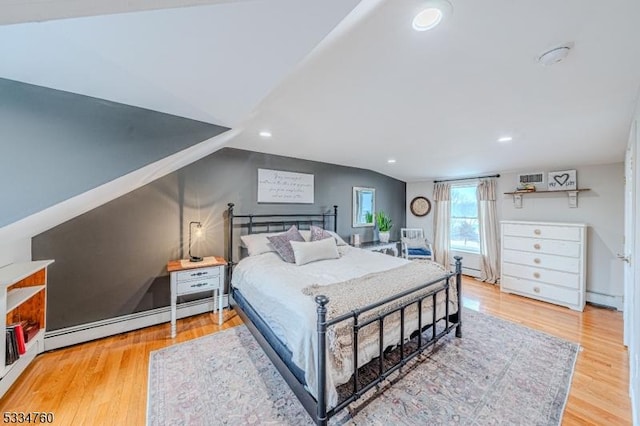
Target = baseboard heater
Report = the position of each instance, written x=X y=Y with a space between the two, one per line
x=606 y=300
x=109 y=327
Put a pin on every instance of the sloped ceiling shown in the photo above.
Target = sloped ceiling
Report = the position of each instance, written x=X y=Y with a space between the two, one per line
x=57 y=145
x=209 y=63
x=373 y=89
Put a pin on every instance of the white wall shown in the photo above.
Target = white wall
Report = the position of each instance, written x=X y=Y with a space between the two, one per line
x=602 y=209
x=18 y=251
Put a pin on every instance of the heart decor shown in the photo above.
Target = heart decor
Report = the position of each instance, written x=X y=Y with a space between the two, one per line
x=561 y=179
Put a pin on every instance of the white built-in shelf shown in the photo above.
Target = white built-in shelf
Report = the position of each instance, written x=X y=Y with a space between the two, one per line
x=18 y=296
x=571 y=193
x=20 y=282
x=15 y=272
x=33 y=347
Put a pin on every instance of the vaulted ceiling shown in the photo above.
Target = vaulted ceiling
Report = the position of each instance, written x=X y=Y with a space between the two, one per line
x=351 y=82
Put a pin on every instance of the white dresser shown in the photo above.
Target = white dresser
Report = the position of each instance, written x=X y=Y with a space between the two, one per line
x=545 y=261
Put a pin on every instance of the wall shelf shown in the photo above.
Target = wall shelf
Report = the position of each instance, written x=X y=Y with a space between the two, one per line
x=572 y=194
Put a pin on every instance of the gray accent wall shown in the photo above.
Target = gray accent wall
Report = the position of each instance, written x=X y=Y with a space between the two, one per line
x=56 y=144
x=111 y=261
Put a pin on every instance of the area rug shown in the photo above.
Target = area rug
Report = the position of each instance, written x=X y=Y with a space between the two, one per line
x=497 y=373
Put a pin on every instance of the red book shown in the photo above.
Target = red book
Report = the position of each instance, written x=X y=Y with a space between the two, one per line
x=19 y=333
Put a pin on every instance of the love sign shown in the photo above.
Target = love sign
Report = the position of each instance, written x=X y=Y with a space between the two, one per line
x=562 y=181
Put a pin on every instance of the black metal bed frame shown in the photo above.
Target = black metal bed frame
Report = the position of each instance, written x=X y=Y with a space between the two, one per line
x=317 y=409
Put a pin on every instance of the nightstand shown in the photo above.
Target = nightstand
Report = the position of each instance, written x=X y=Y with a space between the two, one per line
x=196 y=277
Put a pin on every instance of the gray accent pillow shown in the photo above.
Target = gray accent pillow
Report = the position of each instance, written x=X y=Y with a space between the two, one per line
x=318 y=233
x=281 y=243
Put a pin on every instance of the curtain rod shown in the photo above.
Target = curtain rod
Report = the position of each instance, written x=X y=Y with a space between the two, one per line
x=467 y=178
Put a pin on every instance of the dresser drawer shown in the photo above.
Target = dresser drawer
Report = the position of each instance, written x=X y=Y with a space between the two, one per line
x=564 y=279
x=534 y=245
x=198 y=285
x=542 y=231
x=198 y=274
x=547 y=261
x=541 y=290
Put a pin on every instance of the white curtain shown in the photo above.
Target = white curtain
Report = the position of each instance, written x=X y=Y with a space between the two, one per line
x=442 y=219
x=488 y=219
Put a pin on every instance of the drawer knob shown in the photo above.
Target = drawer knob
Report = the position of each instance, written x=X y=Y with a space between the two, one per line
x=537 y=231
x=536 y=275
x=536 y=260
x=536 y=289
x=536 y=246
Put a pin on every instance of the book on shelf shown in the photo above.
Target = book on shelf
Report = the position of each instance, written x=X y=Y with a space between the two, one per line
x=11 y=348
x=20 y=338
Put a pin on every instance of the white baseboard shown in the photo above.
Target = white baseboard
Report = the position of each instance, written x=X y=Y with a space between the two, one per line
x=616 y=302
x=112 y=326
x=470 y=272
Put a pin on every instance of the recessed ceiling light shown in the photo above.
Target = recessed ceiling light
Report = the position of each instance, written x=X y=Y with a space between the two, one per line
x=505 y=139
x=265 y=134
x=391 y=160
x=433 y=13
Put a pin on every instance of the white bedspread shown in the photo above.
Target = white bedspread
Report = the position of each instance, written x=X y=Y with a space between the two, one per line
x=274 y=289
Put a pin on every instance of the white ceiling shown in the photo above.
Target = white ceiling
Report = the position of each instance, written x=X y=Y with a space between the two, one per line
x=373 y=89
x=210 y=63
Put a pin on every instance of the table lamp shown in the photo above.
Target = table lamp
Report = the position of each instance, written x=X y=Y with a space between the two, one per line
x=193 y=258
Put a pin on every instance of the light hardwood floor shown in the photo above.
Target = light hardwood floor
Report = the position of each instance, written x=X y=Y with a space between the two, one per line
x=105 y=381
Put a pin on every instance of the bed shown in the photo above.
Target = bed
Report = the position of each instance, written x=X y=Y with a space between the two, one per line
x=309 y=318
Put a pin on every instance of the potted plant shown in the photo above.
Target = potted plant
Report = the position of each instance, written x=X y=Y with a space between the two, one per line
x=383 y=222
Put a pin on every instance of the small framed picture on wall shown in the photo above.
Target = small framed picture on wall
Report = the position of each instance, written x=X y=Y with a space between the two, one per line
x=564 y=180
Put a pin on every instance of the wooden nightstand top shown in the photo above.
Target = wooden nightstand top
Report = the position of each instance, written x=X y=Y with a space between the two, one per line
x=182 y=264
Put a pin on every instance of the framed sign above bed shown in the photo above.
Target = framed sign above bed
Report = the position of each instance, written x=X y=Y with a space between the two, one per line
x=276 y=186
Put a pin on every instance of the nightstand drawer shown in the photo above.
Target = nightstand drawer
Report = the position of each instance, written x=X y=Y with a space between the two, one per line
x=198 y=274
x=198 y=285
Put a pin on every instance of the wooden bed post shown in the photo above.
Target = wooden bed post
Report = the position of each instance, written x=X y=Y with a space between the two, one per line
x=321 y=416
x=459 y=291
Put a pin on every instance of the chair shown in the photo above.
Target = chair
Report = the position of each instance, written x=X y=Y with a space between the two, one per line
x=415 y=245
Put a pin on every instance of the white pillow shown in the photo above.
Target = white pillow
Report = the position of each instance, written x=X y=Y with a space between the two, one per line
x=258 y=243
x=415 y=243
x=306 y=252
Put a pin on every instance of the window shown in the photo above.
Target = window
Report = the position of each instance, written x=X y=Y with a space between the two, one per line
x=464 y=219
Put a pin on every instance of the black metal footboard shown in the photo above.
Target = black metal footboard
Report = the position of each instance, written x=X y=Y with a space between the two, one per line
x=323 y=414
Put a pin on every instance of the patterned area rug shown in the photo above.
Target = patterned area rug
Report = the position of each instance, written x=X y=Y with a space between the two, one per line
x=498 y=373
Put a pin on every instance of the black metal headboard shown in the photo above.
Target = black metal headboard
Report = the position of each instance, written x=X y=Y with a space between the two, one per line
x=261 y=223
